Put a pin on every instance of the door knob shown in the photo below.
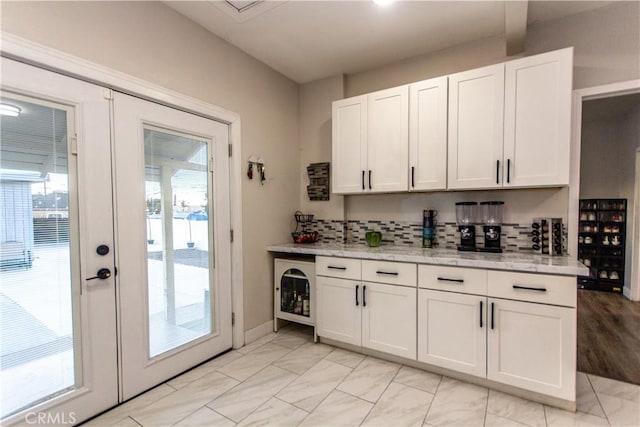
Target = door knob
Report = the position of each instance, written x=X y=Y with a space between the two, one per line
x=102 y=274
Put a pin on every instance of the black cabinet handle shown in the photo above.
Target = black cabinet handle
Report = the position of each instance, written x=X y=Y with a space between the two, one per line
x=444 y=279
x=529 y=288
x=492 y=316
x=357 y=303
x=364 y=295
x=333 y=267
x=508 y=171
x=498 y=172
x=369 y=179
x=481 y=313
x=413 y=171
x=362 y=180
x=388 y=273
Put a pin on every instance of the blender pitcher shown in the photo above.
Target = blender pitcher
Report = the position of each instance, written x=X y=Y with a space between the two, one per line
x=466 y=218
x=492 y=225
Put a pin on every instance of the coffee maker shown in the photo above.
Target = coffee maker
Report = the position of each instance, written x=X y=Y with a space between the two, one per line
x=491 y=226
x=466 y=218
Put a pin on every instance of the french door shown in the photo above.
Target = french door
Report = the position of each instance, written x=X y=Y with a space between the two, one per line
x=174 y=266
x=114 y=275
x=58 y=326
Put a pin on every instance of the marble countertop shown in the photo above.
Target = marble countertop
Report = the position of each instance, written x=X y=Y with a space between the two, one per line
x=510 y=261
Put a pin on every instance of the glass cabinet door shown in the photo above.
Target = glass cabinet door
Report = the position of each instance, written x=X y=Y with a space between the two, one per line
x=295 y=293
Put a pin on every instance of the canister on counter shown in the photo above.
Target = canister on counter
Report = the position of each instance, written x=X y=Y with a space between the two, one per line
x=429 y=228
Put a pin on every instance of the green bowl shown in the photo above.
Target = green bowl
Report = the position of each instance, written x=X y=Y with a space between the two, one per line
x=373 y=238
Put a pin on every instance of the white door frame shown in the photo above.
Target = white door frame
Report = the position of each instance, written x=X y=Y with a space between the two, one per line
x=579 y=96
x=24 y=50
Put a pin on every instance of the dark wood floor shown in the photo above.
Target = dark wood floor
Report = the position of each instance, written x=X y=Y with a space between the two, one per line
x=609 y=336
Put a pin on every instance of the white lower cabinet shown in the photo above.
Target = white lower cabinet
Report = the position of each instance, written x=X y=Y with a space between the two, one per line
x=517 y=329
x=338 y=309
x=379 y=316
x=452 y=331
x=389 y=319
x=469 y=322
x=532 y=346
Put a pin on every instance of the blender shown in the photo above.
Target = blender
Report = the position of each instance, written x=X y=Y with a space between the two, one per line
x=492 y=222
x=465 y=217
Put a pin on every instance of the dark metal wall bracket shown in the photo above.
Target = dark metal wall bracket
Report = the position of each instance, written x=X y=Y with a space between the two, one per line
x=319 y=180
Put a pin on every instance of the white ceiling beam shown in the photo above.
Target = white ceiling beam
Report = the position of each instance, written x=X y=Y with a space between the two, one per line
x=515 y=25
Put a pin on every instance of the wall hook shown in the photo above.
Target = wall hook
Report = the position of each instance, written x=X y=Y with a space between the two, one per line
x=260 y=168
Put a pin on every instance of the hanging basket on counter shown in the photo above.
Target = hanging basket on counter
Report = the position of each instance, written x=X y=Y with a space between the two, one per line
x=304 y=235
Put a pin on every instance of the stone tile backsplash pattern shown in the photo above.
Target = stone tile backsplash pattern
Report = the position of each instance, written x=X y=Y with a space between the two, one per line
x=515 y=237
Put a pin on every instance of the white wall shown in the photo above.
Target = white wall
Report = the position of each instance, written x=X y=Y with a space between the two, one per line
x=606 y=43
x=151 y=41
x=458 y=58
x=599 y=158
x=315 y=141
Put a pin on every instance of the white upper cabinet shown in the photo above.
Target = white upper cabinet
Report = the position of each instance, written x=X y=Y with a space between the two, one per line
x=388 y=135
x=476 y=113
x=505 y=125
x=538 y=119
x=428 y=135
x=370 y=142
x=349 y=145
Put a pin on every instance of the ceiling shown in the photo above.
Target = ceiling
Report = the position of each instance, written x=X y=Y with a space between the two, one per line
x=34 y=141
x=310 y=40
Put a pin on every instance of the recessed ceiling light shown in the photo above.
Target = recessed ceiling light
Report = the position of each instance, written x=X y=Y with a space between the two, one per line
x=9 y=110
x=383 y=2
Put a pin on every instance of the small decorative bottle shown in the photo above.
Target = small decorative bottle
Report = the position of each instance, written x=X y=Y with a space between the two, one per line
x=305 y=302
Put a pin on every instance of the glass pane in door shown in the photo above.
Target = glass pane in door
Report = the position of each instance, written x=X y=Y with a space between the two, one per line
x=37 y=269
x=179 y=277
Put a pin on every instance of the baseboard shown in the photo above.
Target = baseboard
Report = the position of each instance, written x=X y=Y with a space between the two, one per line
x=259 y=331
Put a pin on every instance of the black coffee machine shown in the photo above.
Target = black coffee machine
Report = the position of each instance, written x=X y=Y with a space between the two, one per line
x=466 y=219
x=492 y=226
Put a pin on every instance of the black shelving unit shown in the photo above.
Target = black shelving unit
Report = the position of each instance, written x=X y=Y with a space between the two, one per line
x=601 y=243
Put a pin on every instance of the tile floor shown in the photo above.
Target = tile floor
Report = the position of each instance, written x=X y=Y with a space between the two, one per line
x=283 y=379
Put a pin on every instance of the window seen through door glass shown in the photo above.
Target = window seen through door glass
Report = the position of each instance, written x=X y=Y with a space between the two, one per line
x=37 y=339
x=177 y=212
